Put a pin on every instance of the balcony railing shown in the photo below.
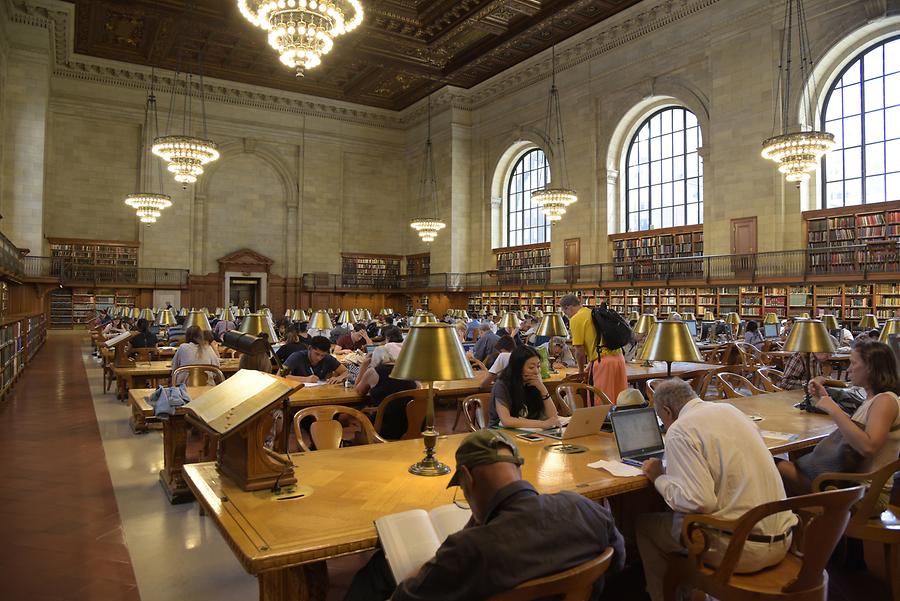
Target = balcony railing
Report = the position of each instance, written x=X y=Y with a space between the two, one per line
x=797 y=265
x=104 y=275
x=10 y=257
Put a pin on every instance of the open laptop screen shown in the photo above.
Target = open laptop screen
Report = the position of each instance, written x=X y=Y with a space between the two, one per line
x=770 y=330
x=637 y=431
x=692 y=327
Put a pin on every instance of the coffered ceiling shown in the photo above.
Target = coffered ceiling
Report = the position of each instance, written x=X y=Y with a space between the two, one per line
x=404 y=50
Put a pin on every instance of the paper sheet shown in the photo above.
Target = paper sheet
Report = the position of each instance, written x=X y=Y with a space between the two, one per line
x=786 y=436
x=616 y=468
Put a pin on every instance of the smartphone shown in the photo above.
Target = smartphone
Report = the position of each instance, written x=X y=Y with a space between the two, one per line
x=530 y=437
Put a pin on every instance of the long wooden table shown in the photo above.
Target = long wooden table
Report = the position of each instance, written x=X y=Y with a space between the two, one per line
x=285 y=542
x=159 y=369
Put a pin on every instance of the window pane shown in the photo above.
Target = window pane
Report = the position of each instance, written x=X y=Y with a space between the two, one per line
x=875 y=189
x=874 y=160
x=853 y=192
x=872 y=64
x=874 y=128
x=852 y=163
x=852 y=100
x=524 y=221
x=852 y=131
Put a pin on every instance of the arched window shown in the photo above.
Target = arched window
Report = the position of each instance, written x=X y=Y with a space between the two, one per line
x=664 y=177
x=525 y=223
x=862 y=110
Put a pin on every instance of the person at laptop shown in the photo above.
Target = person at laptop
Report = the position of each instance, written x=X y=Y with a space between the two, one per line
x=716 y=464
x=519 y=398
x=514 y=535
x=559 y=352
x=753 y=336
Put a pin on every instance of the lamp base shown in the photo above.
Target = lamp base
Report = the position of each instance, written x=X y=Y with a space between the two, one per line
x=429 y=465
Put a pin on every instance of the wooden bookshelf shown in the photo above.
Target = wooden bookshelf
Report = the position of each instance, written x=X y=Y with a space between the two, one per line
x=367 y=271
x=854 y=239
x=634 y=253
x=20 y=338
x=80 y=259
x=535 y=257
x=418 y=265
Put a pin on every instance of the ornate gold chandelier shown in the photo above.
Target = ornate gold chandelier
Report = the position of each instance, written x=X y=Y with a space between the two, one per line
x=428 y=227
x=796 y=152
x=554 y=201
x=186 y=155
x=149 y=205
x=303 y=31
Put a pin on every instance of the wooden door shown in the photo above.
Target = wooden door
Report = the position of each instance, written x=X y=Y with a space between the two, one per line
x=572 y=259
x=743 y=245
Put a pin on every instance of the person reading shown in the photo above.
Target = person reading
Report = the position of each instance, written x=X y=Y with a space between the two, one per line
x=145 y=338
x=195 y=350
x=356 y=340
x=519 y=398
x=315 y=364
x=558 y=350
x=716 y=464
x=514 y=534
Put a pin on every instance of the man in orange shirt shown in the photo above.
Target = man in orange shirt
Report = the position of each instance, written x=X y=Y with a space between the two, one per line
x=606 y=371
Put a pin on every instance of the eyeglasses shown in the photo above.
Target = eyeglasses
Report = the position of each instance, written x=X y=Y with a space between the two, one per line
x=462 y=504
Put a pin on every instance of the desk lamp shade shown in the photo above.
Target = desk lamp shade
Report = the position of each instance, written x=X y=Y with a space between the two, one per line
x=219 y=311
x=288 y=313
x=183 y=312
x=148 y=315
x=709 y=315
x=299 y=315
x=509 y=321
x=134 y=313
x=552 y=324
x=830 y=322
x=345 y=317
x=521 y=315
x=804 y=316
x=634 y=316
x=868 y=322
x=257 y=324
x=493 y=313
x=645 y=324
x=688 y=317
x=227 y=315
x=166 y=318
x=809 y=336
x=205 y=311
x=891 y=326
x=386 y=312
x=423 y=318
x=367 y=315
x=733 y=319
x=670 y=341
x=197 y=318
x=431 y=352
x=320 y=321
x=771 y=319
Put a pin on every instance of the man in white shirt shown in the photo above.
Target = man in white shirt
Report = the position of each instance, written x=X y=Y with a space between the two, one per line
x=716 y=464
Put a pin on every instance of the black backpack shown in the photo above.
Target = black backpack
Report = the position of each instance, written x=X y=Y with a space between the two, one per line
x=611 y=328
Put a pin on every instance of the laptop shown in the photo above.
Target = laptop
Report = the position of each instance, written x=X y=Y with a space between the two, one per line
x=770 y=330
x=692 y=328
x=370 y=348
x=584 y=422
x=637 y=435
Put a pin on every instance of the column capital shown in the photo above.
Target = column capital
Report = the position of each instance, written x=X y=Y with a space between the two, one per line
x=611 y=176
x=496 y=201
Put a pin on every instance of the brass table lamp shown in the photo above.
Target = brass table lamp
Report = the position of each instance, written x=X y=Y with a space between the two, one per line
x=552 y=324
x=688 y=317
x=891 y=326
x=423 y=318
x=134 y=313
x=183 y=312
x=148 y=315
x=299 y=315
x=320 y=321
x=709 y=315
x=197 y=318
x=345 y=317
x=804 y=316
x=868 y=322
x=634 y=316
x=167 y=318
x=645 y=326
x=771 y=319
x=671 y=341
x=258 y=324
x=431 y=352
x=509 y=322
x=830 y=322
x=808 y=336
x=227 y=315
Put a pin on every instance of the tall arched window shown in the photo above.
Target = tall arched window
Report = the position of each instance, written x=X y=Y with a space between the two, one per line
x=525 y=223
x=664 y=177
x=862 y=110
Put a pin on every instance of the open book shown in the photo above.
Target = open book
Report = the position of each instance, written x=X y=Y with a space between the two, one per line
x=411 y=538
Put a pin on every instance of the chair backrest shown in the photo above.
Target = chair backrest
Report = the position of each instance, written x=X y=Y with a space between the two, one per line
x=415 y=411
x=570 y=396
x=326 y=432
x=198 y=374
x=730 y=386
x=144 y=354
x=477 y=365
x=473 y=408
x=575 y=584
x=751 y=354
x=766 y=378
x=650 y=388
x=875 y=482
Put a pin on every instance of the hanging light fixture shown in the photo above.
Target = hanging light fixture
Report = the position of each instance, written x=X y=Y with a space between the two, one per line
x=796 y=152
x=185 y=153
x=148 y=205
x=428 y=227
x=303 y=31
x=554 y=200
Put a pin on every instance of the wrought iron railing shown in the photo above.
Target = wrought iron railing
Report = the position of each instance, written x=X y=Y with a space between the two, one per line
x=104 y=275
x=10 y=257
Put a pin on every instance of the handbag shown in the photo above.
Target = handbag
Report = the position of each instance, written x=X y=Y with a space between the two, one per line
x=832 y=454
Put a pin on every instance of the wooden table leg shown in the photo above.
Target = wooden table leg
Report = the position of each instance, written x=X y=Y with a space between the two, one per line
x=138 y=422
x=307 y=582
x=174 y=449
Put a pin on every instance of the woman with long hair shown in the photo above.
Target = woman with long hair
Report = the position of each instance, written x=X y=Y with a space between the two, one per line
x=873 y=433
x=519 y=398
x=195 y=350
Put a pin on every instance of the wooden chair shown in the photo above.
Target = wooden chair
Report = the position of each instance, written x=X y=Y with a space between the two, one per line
x=107 y=356
x=474 y=410
x=477 y=365
x=729 y=386
x=575 y=584
x=650 y=388
x=800 y=576
x=326 y=432
x=415 y=411
x=753 y=358
x=568 y=397
x=715 y=355
x=766 y=378
x=867 y=524
x=197 y=374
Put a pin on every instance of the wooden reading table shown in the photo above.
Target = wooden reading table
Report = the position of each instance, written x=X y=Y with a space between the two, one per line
x=159 y=370
x=285 y=542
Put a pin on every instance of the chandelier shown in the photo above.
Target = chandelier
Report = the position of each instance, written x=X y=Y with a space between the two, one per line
x=303 y=31
x=796 y=152
x=428 y=227
x=554 y=201
x=149 y=205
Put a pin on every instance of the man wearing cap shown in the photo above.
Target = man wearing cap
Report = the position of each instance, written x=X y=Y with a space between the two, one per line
x=515 y=534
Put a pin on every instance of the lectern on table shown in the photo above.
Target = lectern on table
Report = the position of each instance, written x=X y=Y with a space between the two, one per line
x=239 y=413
